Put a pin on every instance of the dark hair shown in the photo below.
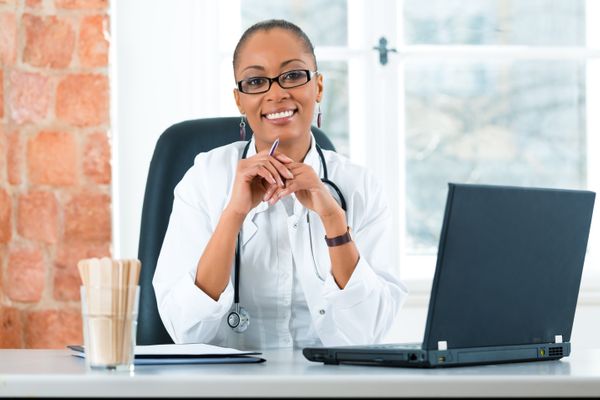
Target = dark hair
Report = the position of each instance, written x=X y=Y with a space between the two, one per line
x=269 y=24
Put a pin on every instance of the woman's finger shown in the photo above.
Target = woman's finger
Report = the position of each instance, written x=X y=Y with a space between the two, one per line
x=283 y=158
x=290 y=187
x=282 y=169
x=270 y=191
x=264 y=173
x=268 y=165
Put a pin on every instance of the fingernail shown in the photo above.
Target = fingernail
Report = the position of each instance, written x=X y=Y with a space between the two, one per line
x=290 y=175
x=281 y=183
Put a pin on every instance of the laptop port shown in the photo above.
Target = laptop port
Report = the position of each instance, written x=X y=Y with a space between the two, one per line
x=441 y=359
x=412 y=357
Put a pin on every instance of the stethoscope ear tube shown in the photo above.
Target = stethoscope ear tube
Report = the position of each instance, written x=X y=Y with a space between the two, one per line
x=326 y=180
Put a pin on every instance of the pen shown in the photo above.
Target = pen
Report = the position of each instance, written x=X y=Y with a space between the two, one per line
x=274 y=147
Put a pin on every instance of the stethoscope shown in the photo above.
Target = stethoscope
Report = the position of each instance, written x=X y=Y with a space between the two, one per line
x=239 y=319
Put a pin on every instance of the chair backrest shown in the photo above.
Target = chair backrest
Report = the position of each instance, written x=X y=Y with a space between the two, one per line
x=173 y=155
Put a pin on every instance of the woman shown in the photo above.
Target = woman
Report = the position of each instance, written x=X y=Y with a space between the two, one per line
x=268 y=206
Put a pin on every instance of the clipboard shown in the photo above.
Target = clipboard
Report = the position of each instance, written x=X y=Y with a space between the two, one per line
x=174 y=354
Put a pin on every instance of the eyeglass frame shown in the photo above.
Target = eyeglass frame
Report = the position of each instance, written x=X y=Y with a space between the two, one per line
x=310 y=74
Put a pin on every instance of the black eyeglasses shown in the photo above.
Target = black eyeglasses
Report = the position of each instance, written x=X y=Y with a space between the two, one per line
x=287 y=80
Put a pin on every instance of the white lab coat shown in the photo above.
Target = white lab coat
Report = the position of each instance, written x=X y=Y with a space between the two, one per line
x=277 y=262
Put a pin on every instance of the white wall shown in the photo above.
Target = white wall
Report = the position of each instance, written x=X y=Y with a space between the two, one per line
x=158 y=78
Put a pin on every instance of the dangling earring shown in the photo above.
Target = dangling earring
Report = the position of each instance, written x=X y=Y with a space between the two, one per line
x=242 y=128
x=319 y=116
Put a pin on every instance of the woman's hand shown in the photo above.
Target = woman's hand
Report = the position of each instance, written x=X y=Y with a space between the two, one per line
x=254 y=178
x=310 y=191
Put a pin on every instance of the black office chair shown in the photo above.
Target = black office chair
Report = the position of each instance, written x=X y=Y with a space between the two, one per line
x=173 y=156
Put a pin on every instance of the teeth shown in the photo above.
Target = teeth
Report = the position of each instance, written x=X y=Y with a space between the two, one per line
x=283 y=114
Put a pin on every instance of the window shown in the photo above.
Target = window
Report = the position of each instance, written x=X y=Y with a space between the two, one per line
x=496 y=92
x=492 y=91
x=488 y=91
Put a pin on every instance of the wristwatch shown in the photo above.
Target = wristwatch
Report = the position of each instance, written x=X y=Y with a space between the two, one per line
x=339 y=240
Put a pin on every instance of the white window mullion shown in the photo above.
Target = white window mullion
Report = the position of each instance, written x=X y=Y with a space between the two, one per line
x=591 y=271
x=493 y=52
x=382 y=135
x=403 y=261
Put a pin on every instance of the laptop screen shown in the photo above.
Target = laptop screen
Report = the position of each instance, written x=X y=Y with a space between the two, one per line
x=509 y=266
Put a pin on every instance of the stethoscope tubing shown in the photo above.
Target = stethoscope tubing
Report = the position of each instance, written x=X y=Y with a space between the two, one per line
x=239 y=319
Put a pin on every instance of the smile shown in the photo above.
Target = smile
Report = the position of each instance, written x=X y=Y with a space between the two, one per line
x=279 y=115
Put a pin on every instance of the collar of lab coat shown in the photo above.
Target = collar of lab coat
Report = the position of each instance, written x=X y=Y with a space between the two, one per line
x=312 y=158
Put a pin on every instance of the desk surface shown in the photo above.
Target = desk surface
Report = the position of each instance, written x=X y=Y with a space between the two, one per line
x=49 y=373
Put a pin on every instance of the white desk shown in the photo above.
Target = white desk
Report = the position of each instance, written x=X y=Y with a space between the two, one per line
x=50 y=373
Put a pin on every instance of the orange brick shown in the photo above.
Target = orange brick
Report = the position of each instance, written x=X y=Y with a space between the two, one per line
x=66 y=274
x=51 y=158
x=82 y=100
x=5 y=217
x=25 y=275
x=49 y=41
x=53 y=329
x=37 y=216
x=96 y=161
x=29 y=96
x=8 y=38
x=3 y=252
x=14 y=158
x=93 y=41
x=85 y=4
x=11 y=336
x=87 y=218
x=33 y=3
x=1 y=93
x=3 y=152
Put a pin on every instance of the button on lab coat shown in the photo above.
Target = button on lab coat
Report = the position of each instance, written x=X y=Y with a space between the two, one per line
x=278 y=249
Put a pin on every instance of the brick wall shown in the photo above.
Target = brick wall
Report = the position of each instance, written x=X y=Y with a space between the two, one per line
x=55 y=204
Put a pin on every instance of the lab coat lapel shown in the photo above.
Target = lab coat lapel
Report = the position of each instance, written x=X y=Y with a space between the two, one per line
x=249 y=227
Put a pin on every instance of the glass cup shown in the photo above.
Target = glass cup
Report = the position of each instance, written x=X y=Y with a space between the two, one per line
x=109 y=316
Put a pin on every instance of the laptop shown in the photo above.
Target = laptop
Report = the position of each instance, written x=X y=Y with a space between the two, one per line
x=506 y=281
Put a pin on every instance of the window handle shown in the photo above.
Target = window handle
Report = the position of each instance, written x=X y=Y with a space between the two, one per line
x=383 y=50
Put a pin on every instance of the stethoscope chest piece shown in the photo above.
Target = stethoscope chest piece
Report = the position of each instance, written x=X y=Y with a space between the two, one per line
x=238 y=319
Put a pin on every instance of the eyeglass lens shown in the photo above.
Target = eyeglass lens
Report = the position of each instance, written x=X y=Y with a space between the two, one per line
x=287 y=80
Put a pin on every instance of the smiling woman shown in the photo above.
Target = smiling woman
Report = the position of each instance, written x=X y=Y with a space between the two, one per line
x=289 y=105
x=266 y=206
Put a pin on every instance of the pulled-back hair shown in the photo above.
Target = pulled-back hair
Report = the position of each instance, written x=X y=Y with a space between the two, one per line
x=266 y=26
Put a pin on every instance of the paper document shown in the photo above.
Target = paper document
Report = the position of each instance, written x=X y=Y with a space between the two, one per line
x=195 y=353
x=191 y=349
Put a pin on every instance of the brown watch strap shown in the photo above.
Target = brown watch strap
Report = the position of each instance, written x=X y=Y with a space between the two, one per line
x=339 y=240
